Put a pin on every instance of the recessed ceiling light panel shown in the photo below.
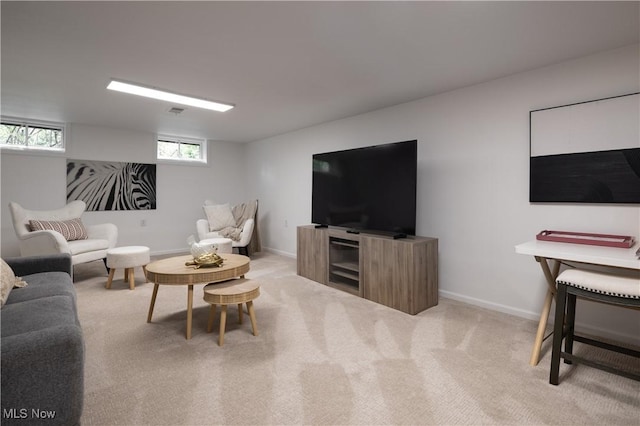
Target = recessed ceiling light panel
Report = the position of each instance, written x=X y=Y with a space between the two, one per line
x=163 y=95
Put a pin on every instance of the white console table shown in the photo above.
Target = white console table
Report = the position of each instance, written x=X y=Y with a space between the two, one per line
x=550 y=255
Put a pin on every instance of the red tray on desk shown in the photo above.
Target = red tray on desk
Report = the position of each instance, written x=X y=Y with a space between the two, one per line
x=607 y=240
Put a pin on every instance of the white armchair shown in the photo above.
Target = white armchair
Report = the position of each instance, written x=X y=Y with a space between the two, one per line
x=100 y=238
x=240 y=230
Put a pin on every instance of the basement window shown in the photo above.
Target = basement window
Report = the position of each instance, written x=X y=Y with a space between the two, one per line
x=20 y=134
x=175 y=148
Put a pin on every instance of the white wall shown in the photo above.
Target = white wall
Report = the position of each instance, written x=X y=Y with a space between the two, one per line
x=473 y=180
x=38 y=182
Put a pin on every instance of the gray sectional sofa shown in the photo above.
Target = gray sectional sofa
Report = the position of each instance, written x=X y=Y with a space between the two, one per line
x=42 y=345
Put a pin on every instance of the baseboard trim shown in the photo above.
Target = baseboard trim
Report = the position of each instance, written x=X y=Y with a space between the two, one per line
x=535 y=316
x=490 y=305
x=169 y=252
x=186 y=251
x=279 y=252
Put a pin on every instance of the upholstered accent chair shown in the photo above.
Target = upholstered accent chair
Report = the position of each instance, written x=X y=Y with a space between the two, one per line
x=43 y=232
x=235 y=222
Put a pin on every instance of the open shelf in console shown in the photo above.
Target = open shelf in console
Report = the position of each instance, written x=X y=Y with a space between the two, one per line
x=344 y=264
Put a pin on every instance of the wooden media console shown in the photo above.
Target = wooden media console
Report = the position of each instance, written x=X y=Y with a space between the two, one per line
x=399 y=273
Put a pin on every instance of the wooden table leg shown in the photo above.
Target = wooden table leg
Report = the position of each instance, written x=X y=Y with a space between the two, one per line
x=189 y=310
x=240 y=313
x=132 y=279
x=112 y=271
x=153 y=301
x=223 y=324
x=212 y=316
x=542 y=326
x=252 y=316
x=550 y=277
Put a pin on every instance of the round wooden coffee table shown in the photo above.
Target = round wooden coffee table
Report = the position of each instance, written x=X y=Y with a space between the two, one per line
x=173 y=271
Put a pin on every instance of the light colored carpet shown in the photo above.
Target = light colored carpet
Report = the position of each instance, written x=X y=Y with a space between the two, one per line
x=324 y=357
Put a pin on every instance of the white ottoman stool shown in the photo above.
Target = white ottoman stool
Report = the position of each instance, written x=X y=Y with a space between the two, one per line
x=127 y=258
x=224 y=245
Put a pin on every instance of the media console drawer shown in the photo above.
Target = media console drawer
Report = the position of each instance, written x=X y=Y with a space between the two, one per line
x=399 y=273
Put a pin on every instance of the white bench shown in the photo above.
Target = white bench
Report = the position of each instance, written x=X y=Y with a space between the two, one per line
x=602 y=287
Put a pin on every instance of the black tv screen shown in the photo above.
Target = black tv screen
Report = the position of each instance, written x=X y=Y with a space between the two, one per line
x=369 y=189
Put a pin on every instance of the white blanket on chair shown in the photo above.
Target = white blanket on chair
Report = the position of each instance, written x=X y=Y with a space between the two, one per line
x=241 y=213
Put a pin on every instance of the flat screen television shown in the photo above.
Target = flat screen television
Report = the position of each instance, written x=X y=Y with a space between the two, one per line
x=367 y=189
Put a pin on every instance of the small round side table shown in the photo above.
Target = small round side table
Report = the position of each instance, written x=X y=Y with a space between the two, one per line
x=236 y=291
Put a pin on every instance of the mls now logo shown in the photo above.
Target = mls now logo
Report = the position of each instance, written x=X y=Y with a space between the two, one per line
x=23 y=413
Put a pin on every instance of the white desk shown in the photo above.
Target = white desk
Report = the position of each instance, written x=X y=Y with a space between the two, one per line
x=551 y=254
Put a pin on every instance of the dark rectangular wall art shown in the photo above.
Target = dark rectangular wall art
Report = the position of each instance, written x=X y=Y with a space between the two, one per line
x=112 y=185
x=588 y=152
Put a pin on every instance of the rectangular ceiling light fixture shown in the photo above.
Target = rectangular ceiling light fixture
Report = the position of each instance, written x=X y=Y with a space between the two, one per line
x=152 y=92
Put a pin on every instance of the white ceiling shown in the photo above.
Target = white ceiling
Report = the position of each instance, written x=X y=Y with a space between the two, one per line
x=285 y=65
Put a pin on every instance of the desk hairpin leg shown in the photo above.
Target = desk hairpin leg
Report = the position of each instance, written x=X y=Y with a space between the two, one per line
x=550 y=275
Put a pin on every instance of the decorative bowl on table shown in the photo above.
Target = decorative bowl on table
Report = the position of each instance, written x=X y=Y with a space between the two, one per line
x=204 y=256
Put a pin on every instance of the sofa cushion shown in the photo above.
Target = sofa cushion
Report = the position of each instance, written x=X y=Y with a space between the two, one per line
x=71 y=230
x=8 y=281
x=219 y=216
x=84 y=246
x=42 y=360
x=43 y=284
x=38 y=314
x=42 y=347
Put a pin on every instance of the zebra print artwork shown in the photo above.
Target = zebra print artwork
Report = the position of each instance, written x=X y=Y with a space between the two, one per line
x=112 y=185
